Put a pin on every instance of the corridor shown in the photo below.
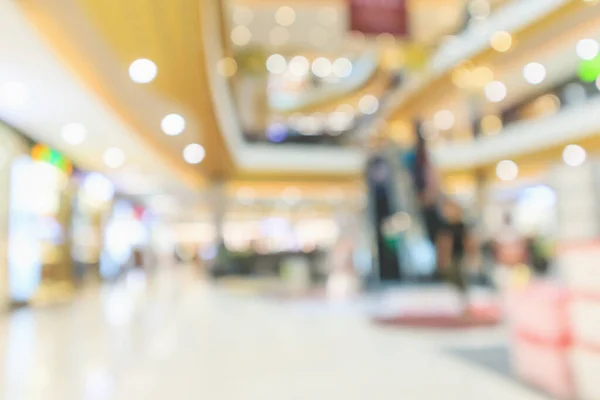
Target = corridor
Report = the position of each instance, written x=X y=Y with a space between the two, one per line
x=178 y=337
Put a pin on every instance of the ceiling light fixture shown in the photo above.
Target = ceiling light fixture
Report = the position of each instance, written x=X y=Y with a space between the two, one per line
x=173 y=124
x=142 y=70
x=227 y=67
x=534 y=73
x=507 y=170
x=276 y=64
x=194 y=153
x=368 y=104
x=574 y=155
x=285 y=16
x=113 y=157
x=495 y=91
x=587 y=49
x=299 y=66
x=342 y=67
x=321 y=67
x=241 y=35
x=491 y=125
x=73 y=133
x=501 y=41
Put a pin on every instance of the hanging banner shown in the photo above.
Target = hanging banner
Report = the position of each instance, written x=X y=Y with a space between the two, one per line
x=373 y=17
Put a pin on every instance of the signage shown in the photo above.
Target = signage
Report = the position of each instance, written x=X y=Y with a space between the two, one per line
x=373 y=17
x=45 y=154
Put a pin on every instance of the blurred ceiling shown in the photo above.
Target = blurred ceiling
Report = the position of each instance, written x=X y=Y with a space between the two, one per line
x=100 y=38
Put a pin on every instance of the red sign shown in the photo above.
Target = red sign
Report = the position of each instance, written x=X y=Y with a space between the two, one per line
x=373 y=17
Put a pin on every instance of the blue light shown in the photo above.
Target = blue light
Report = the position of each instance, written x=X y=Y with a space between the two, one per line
x=277 y=132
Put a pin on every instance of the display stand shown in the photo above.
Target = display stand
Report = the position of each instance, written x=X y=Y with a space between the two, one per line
x=557 y=325
x=578 y=258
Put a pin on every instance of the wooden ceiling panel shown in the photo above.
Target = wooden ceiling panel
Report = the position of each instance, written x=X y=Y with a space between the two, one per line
x=167 y=32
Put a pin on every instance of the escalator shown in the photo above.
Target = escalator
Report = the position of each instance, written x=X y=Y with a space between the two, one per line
x=404 y=251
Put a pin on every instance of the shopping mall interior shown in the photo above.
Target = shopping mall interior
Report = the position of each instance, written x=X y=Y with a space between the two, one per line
x=299 y=199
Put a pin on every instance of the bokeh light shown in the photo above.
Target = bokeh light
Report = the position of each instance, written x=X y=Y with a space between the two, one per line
x=194 y=153
x=501 y=41
x=534 y=73
x=574 y=155
x=507 y=170
x=173 y=124
x=276 y=64
x=143 y=70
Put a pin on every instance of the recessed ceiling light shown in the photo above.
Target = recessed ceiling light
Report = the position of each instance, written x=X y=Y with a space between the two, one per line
x=142 y=70
x=73 y=133
x=587 y=49
x=491 y=124
x=507 y=170
x=299 y=66
x=495 y=91
x=342 y=67
x=368 y=104
x=241 y=35
x=501 y=41
x=194 y=153
x=227 y=67
x=173 y=124
x=321 y=67
x=13 y=94
x=534 y=73
x=574 y=155
x=285 y=16
x=113 y=157
x=276 y=64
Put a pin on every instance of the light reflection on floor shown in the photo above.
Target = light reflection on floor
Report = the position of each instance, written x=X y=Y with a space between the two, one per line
x=176 y=337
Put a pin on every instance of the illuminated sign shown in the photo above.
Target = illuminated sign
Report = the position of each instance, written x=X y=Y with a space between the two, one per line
x=45 y=154
x=373 y=17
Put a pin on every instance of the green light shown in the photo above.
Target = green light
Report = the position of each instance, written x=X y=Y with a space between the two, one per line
x=589 y=70
x=56 y=158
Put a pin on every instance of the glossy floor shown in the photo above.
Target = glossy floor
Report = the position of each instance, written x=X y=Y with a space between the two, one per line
x=176 y=337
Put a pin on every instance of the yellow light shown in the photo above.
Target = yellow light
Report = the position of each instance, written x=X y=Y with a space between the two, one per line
x=285 y=16
x=501 y=41
x=491 y=125
x=241 y=35
x=461 y=77
x=482 y=76
x=401 y=131
x=227 y=67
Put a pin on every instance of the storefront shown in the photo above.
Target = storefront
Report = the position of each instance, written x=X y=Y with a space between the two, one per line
x=39 y=257
x=91 y=207
x=126 y=239
x=12 y=147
